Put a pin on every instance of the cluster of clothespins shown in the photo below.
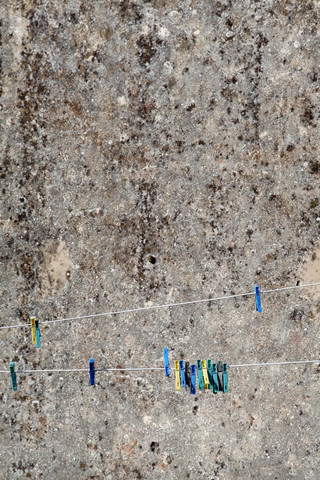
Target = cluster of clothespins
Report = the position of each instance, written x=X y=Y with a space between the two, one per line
x=212 y=376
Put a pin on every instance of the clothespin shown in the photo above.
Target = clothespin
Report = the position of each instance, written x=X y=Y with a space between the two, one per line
x=193 y=379
x=187 y=374
x=258 y=299
x=33 y=330
x=200 y=375
x=205 y=373
x=221 y=372
x=91 y=371
x=182 y=375
x=38 y=342
x=166 y=362
x=13 y=377
x=177 y=370
x=209 y=368
x=215 y=378
x=225 y=378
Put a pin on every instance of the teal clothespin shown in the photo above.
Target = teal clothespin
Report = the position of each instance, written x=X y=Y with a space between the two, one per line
x=200 y=375
x=13 y=377
x=215 y=378
x=38 y=334
x=209 y=368
x=225 y=378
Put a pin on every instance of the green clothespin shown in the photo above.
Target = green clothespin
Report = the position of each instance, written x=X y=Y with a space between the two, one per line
x=38 y=342
x=209 y=368
x=215 y=378
x=225 y=378
x=13 y=377
x=200 y=375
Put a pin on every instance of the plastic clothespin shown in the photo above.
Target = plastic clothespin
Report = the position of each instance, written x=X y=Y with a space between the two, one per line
x=91 y=371
x=13 y=377
x=193 y=379
x=182 y=375
x=209 y=368
x=38 y=341
x=200 y=375
x=176 y=365
x=187 y=374
x=225 y=378
x=205 y=374
x=33 y=330
x=166 y=362
x=220 y=376
x=215 y=378
x=258 y=299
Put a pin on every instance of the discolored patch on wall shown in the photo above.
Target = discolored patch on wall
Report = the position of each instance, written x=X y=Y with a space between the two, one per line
x=55 y=269
x=310 y=272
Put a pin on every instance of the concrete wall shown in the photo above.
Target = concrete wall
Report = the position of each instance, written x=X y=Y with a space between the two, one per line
x=157 y=152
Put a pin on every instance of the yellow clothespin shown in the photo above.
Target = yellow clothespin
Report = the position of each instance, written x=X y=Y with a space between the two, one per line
x=33 y=330
x=205 y=373
x=176 y=364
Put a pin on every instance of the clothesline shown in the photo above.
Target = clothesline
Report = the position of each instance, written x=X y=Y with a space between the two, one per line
x=155 y=307
x=244 y=365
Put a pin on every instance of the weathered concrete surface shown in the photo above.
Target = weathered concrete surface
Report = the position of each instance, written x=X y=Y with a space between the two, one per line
x=154 y=152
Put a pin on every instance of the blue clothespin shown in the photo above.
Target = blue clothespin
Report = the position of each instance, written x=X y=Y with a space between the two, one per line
x=215 y=378
x=166 y=362
x=182 y=375
x=200 y=375
x=13 y=377
x=91 y=371
x=38 y=342
x=193 y=379
x=225 y=378
x=258 y=299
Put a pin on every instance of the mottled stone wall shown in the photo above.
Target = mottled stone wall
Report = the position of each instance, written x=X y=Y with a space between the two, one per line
x=156 y=152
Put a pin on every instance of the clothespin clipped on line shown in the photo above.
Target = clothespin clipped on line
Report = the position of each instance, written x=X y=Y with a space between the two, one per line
x=210 y=376
x=190 y=375
x=205 y=374
x=225 y=378
x=91 y=371
x=222 y=377
x=182 y=375
x=38 y=341
x=33 y=330
x=13 y=377
x=177 y=371
x=187 y=374
x=166 y=362
x=200 y=375
x=193 y=379
x=215 y=378
x=258 y=299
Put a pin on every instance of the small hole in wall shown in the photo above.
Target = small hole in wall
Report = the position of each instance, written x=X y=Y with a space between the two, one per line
x=152 y=259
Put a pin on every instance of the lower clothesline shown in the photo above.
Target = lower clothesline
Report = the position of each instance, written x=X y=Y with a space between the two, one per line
x=244 y=365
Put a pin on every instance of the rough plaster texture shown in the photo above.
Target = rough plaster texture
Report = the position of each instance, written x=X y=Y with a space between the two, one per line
x=154 y=152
